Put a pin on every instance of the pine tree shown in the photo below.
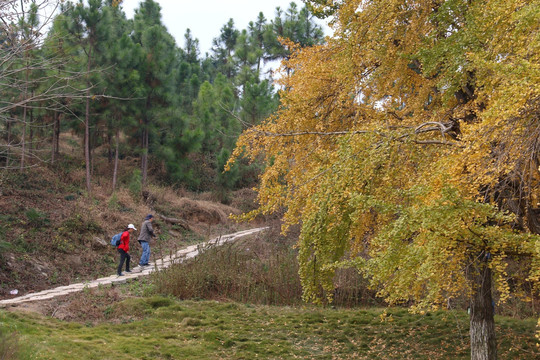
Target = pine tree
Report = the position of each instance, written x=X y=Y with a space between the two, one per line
x=89 y=27
x=293 y=25
x=256 y=34
x=121 y=83
x=223 y=48
x=156 y=70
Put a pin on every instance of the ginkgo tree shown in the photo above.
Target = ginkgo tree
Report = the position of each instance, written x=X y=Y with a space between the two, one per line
x=408 y=147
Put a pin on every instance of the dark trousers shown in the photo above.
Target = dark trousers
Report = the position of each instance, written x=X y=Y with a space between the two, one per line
x=124 y=256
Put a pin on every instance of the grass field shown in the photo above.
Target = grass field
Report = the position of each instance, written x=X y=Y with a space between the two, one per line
x=161 y=328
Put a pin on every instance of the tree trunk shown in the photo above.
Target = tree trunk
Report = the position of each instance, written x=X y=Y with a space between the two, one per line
x=145 y=157
x=8 y=125
x=57 y=119
x=23 y=139
x=482 y=321
x=91 y=147
x=23 y=136
x=58 y=116
x=115 y=171
x=175 y=221
x=53 y=140
x=109 y=147
x=31 y=142
x=87 y=128
x=55 y=136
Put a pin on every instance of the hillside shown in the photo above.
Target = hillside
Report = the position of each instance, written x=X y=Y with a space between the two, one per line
x=52 y=234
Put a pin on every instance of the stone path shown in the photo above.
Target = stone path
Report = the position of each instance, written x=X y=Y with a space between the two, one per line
x=181 y=255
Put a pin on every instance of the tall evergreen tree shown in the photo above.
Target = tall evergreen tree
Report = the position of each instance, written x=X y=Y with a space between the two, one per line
x=27 y=25
x=258 y=101
x=156 y=71
x=122 y=83
x=182 y=135
x=57 y=45
x=189 y=73
x=223 y=48
x=89 y=25
x=297 y=26
x=246 y=57
x=256 y=34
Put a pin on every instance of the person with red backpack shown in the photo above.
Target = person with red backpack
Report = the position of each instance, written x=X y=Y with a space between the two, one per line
x=123 y=249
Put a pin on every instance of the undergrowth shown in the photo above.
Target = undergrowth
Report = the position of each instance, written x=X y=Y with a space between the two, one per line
x=264 y=270
x=253 y=271
x=260 y=270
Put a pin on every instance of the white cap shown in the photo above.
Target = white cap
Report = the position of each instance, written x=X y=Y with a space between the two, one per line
x=131 y=226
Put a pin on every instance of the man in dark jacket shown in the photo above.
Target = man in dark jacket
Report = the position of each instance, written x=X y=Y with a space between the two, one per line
x=145 y=235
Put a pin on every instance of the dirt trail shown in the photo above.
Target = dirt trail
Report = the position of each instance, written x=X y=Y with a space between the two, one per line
x=166 y=261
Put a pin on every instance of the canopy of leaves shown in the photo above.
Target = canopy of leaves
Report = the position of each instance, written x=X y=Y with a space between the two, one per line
x=408 y=146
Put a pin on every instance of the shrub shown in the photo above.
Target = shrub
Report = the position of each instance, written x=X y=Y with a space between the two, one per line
x=250 y=271
x=2 y=230
x=36 y=218
x=78 y=224
x=135 y=184
x=259 y=271
x=24 y=245
x=4 y=245
x=113 y=203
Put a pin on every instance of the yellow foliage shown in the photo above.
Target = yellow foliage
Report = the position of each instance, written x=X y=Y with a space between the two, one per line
x=405 y=141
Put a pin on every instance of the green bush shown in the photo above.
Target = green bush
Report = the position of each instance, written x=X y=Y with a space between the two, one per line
x=78 y=224
x=2 y=231
x=113 y=203
x=63 y=244
x=4 y=245
x=21 y=244
x=135 y=184
x=37 y=218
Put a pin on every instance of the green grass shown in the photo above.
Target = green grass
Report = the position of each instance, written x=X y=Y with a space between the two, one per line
x=161 y=328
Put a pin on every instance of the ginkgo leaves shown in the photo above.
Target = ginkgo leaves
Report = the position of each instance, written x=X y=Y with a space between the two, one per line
x=404 y=144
